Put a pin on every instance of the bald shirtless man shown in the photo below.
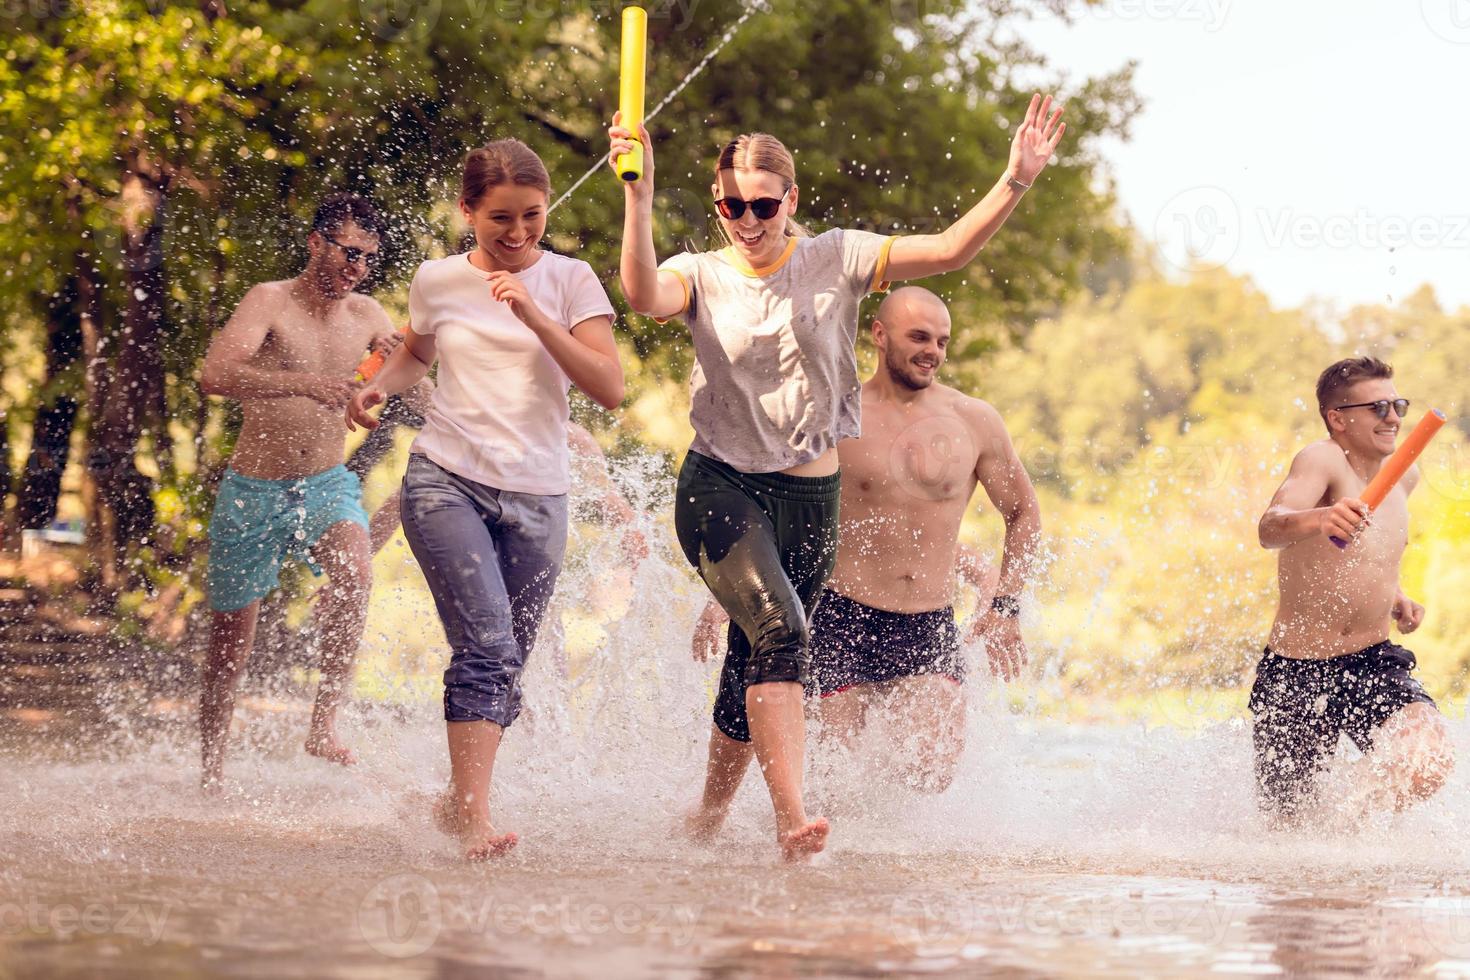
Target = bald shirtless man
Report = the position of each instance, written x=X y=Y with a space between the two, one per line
x=288 y=355
x=1330 y=668
x=884 y=636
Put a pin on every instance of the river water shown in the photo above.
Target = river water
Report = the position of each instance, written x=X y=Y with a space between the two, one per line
x=1062 y=848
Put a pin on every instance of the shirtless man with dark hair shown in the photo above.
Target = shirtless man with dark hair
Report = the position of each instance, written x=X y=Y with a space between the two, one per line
x=1330 y=668
x=288 y=355
x=884 y=637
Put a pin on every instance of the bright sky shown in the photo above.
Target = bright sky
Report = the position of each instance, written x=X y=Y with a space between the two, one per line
x=1318 y=147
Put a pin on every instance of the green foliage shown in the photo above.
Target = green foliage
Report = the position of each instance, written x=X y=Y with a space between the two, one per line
x=1157 y=424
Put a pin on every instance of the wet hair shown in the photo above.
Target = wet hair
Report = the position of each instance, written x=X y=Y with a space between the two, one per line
x=507 y=161
x=338 y=209
x=762 y=151
x=1343 y=375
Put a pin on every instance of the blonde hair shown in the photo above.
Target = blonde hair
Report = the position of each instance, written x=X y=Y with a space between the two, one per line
x=761 y=151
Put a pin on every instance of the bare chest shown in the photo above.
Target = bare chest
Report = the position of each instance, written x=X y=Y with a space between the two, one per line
x=925 y=464
x=299 y=343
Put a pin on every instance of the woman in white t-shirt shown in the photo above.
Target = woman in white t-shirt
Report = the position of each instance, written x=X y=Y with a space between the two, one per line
x=484 y=498
x=773 y=319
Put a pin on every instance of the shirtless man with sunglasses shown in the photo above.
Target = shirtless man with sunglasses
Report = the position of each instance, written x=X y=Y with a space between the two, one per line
x=287 y=355
x=1330 y=668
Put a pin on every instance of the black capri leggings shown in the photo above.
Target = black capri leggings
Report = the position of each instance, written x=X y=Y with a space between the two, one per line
x=765 y=544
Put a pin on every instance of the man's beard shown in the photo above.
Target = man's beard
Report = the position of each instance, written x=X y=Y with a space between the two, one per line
x=898 y=374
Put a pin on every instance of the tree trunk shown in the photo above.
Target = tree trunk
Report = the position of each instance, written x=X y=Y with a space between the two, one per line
x=98 y=522
x=6 y=525
x=134 y=400
x=56 y=409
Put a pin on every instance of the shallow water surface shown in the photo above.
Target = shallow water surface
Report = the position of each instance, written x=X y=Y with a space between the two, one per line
x=1060 y=849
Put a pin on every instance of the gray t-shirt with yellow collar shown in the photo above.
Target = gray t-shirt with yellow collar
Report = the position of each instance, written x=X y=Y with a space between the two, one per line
x=775 y=380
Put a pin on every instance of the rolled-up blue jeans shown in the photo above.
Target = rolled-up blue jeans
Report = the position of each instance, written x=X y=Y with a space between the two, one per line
x=491 y=558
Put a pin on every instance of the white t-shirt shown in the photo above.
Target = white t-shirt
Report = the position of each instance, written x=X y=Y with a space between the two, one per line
x=499 y=413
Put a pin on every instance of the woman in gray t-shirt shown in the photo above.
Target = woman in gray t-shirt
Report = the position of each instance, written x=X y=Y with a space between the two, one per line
x=773 y=318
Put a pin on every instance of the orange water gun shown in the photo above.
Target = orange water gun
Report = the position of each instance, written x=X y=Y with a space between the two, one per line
x=373 y=363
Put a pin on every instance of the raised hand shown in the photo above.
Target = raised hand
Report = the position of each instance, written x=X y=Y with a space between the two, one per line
x=1036 y=140
x=620 y=141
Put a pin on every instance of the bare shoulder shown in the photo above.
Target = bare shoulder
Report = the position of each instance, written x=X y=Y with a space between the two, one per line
x=262 y=306
x=273 y=295
x=365 y=307
x=1323 y=456
x=978 y=413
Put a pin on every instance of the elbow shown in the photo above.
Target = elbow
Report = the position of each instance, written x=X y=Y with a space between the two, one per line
x=611 y=396
x=1266 y=534
x=638 y=301
x=210 y=382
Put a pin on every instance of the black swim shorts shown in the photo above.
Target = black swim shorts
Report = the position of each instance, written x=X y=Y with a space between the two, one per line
x=1302 y=706
x=856 y=644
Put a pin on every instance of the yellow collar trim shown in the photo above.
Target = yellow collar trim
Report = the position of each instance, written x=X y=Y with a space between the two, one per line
x=733 y=257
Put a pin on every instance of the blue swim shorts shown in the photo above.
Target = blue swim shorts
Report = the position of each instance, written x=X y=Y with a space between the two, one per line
x=258 y=525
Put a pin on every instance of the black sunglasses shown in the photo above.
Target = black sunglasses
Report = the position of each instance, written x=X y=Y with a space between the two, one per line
x=764 y=208
x=1381 y=407
x=352 y=253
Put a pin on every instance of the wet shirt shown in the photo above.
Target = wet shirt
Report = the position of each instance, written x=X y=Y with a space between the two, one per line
x=775 y=380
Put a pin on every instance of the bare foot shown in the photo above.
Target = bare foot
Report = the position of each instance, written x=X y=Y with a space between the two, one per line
x=800 y=844
x=701 y=825
x=487 y=845
x=480 y=839
x=327 y=747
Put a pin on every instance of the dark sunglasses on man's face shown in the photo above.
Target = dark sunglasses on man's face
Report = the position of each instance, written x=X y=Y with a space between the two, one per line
x=352 y=253
x=764 y=208
x=1381 y=407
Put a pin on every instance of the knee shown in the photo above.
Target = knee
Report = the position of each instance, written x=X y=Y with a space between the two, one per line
x=781 y=629
x=933 y=768
x=1431 y=765
x=1421 y=753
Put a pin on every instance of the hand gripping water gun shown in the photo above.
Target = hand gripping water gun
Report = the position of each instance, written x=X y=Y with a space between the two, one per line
x=630 y=95
x=373 y=363
x=1398 y=464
